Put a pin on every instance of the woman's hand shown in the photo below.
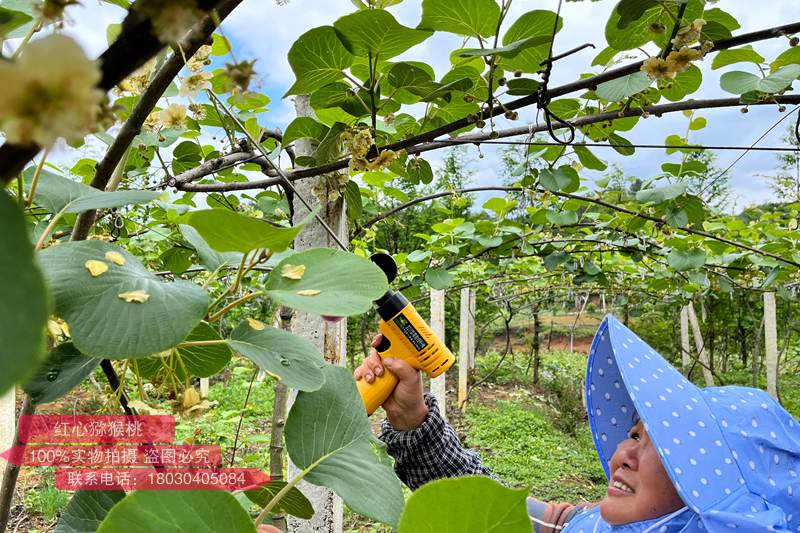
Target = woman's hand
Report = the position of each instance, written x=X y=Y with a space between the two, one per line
x=268 y=529
x=405 y=407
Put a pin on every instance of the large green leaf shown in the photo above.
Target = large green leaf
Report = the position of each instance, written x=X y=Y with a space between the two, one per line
x=102 y=322
x=632 y=10
x=227 y=231
x=635 y=29
x=508 y=51
x=293 y=502
x=16 y=30
x=376 y=31
x=537 y=23
x=438 y=278
x=295 y=360
x=470 y=504
x=411 y=78
x=745 y=54
x=328 y=433
x=177 y=511
x=56 y=193
x=317 y=58
x=788 y=57
x=738 y=82
x=467 y=17
x=347 y=284
x=338 y=94
x=10 y=20
x=661 y=194
x=190 y=361
x=683 y=85
x=620 y=88
x=87 y=509
x=210 y=258
x=690 y=259
x=563 y=178
x=65 y=368
x=24 y=305
x=304 y=128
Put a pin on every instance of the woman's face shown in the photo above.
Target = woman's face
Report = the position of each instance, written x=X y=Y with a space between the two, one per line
x=639 y=488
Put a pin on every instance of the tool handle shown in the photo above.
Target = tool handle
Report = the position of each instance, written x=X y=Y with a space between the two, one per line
x=375 y=393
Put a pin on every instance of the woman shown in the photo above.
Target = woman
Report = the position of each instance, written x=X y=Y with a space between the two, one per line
x=677 y=457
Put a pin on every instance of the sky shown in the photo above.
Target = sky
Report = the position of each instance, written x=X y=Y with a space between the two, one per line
x=264 y=30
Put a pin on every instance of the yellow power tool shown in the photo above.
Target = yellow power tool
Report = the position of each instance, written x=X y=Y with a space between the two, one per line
x=405 y=336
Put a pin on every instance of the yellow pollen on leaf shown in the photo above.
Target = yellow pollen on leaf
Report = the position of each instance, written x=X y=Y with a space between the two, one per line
x=256 y=324
x=308 y=292
x=293 y=271
x=95 y=267
x=134 y=296
x=116 y=258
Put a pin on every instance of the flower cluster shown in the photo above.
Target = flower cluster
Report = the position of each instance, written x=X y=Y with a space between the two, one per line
x=173 y=116
x=137 y=82
x=53 y=10
x=677 y=61
x=49 y=92
x=195 y=83
x=689 y=34
x=241 y=74
x=200 y=59
x=171 y=19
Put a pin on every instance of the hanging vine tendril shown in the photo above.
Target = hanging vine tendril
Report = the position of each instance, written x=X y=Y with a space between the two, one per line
x=542 y=98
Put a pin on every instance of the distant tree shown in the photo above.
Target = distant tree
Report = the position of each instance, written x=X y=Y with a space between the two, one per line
x=712 y=185
x=785 y=183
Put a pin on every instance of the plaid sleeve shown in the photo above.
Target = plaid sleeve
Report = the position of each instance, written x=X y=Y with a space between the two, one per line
x=431 y=451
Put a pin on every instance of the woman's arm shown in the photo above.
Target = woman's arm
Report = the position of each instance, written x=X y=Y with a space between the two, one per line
x=431 y=451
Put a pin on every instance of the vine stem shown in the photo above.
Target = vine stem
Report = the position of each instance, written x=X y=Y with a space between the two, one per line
x=654 y=110
x=589 y=200
x=235 y=303
x=189 y=344
x=25 y=40
x=49 y=229
x=35 y=180
x=297 y=479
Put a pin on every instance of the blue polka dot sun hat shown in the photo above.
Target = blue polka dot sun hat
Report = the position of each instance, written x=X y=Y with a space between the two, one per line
x=733 y=453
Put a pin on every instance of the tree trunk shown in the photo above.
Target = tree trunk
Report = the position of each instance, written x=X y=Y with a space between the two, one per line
x=278 y=423
x=329 y=338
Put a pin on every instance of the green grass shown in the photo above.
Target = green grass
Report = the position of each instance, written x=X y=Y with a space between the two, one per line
x=218 y=425
x=515 y=368
x=518 y=441
x=47 y=500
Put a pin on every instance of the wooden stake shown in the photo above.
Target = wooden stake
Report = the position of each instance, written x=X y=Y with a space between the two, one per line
x=686 y=360
x=701 y=349
x=438 y=388
x=771 y=344
x=466 y=344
